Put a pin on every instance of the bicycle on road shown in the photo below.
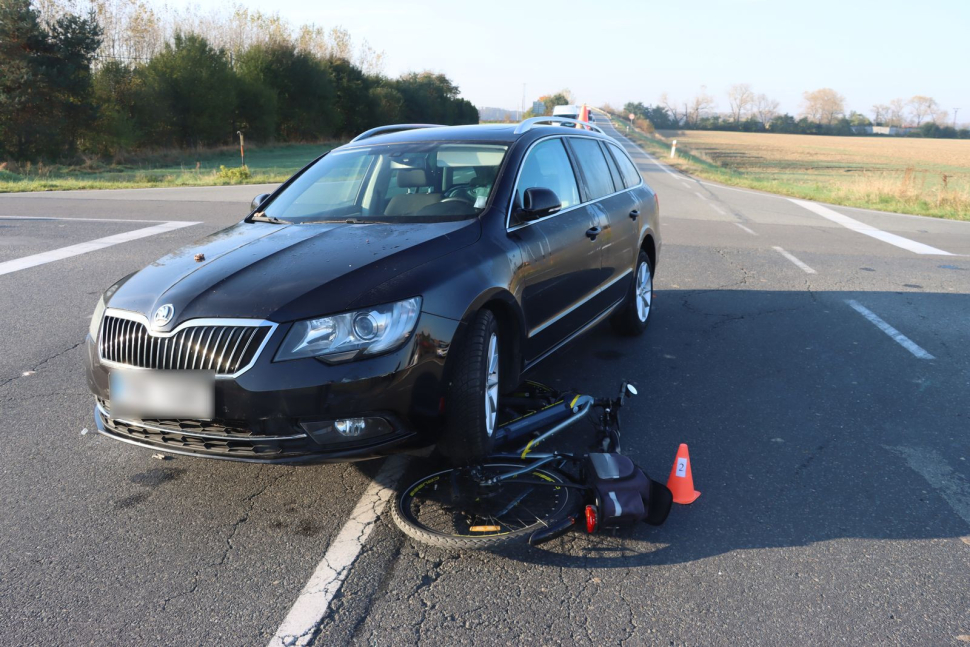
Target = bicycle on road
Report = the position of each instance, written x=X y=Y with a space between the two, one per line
x=524 y=495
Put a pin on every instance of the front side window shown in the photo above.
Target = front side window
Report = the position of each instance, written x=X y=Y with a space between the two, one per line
x=547 y=166
x=631 y=176
x=595 y=168
x=422 y=181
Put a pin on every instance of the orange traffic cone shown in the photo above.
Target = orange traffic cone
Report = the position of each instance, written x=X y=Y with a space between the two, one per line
x=681 y=481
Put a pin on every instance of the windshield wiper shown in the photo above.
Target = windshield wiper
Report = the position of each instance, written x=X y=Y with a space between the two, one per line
x=348 y=221
x=262 y=217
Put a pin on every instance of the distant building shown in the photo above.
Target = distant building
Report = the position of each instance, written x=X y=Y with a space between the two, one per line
x=881 y=130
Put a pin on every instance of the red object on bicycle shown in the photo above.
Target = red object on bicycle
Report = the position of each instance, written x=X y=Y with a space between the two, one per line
x=591 y=519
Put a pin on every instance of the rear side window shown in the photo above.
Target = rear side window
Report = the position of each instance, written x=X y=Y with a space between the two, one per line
x=614 y=170
x=594 y=166
x=548 y=166
x=631 y=176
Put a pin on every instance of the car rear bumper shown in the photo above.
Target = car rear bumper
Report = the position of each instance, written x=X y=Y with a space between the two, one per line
x=264 y=414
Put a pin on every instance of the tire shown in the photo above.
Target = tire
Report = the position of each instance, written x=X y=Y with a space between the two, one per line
x=431 y=498
x=471 y=401
x=634 y=315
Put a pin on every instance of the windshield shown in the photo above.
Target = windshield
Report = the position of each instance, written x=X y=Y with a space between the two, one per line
x=424 y=181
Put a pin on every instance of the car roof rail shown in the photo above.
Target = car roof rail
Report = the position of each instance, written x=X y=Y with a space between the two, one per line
x=527 y=124
x=391 y=128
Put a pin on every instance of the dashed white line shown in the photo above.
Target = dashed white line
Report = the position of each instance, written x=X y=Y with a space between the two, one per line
x=300 y=624
x=933 y=467
x=802 y=266
x=897 y=336
x=869 y=230
x=92 y=245
x=700 y=195
x=753 y=233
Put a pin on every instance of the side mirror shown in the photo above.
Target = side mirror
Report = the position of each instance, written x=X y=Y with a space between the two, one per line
x=539 y=202
x=258 y=200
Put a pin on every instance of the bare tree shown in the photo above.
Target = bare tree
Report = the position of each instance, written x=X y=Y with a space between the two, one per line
x=670 y=106
x=823 y=106
x=897 y=112
x=698 y=106
x=741 y=98
x=766 y=109
x=135 y=30
x=922 y=107
x=880 y=114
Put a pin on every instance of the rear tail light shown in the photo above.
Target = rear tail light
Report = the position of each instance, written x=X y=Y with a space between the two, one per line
x=591 y=519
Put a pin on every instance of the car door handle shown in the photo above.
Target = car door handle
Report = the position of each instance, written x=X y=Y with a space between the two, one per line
x=635 y=213
x=593 y=232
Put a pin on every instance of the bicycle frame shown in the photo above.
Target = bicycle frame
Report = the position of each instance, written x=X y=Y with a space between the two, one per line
x=561 y=416
x=577 y=410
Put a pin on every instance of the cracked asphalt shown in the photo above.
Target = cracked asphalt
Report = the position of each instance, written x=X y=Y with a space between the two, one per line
x=833 y=462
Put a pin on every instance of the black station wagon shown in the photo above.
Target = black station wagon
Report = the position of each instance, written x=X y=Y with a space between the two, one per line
x=381 y=299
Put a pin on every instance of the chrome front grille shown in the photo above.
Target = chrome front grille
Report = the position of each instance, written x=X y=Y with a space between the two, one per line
x=226 y=348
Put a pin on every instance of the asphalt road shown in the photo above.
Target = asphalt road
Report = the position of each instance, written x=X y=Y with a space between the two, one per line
x=832 y=454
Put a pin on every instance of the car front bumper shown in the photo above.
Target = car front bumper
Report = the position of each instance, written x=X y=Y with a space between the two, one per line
x=263 y=414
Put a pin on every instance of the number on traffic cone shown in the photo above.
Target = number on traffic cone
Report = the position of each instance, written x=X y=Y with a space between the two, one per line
x=681 y=481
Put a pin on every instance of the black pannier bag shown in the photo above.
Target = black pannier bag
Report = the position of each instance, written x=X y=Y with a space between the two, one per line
x=624 y=493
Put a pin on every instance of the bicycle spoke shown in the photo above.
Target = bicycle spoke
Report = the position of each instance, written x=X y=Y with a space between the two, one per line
x=456 y=503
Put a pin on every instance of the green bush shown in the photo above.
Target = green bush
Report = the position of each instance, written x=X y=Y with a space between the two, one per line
x=234 y=174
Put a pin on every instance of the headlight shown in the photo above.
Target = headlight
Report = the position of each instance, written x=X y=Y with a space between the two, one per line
x=342 y=337
x=96 y=319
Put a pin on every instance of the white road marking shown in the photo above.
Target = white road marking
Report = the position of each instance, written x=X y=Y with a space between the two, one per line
x=300 y=624
x=875 y=212
x=753 y=233
x=869 y=230
x=802 y=266
x=92 y=245
x=934 y=468
x=734 y=188
x=897 y=336
x=76 y=219
x=719 y=209
x=662 y=166
x=700 y=195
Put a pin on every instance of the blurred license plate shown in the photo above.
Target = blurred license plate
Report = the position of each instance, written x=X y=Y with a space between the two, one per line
x=162 y=394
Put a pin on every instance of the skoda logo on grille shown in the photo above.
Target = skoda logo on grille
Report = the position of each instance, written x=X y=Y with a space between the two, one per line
x=163 y=315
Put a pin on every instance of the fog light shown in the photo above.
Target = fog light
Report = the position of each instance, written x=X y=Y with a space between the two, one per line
x=350 y=426
x=335 y=431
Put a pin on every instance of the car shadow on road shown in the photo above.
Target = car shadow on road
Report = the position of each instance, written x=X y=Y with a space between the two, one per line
x=806 y=423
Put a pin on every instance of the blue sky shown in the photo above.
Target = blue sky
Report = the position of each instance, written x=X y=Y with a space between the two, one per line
x=868 y=51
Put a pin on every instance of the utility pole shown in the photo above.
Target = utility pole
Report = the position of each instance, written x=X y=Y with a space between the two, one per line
x=955 y=112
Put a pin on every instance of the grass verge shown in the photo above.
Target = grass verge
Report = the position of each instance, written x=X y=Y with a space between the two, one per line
x=214 y=167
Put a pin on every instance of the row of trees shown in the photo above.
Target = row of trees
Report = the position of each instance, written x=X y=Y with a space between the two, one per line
x=100 y=82
x=823 y=112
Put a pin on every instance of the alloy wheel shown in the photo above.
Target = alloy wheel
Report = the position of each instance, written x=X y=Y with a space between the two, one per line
x=491 y=386
x=644 y=291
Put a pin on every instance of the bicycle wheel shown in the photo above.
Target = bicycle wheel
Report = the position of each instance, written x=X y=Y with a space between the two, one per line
x=451 y=509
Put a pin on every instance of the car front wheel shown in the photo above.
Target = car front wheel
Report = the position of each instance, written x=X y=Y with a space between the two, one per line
x=471 y=403
x=634 y=315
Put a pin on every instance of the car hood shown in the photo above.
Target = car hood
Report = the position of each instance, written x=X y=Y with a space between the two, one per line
x=286 y=272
